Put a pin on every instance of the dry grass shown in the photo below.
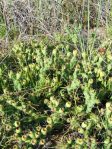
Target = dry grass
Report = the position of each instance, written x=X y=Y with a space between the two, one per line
x=25 y=20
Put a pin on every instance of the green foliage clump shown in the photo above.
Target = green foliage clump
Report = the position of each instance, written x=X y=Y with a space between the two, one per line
x=57 y=94
x=2 y=30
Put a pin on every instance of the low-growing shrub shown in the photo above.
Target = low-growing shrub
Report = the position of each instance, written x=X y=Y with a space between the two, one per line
x=56 y=96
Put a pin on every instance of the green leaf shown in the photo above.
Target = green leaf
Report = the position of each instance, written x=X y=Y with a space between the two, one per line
x=90 y=99
x=17 y=85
